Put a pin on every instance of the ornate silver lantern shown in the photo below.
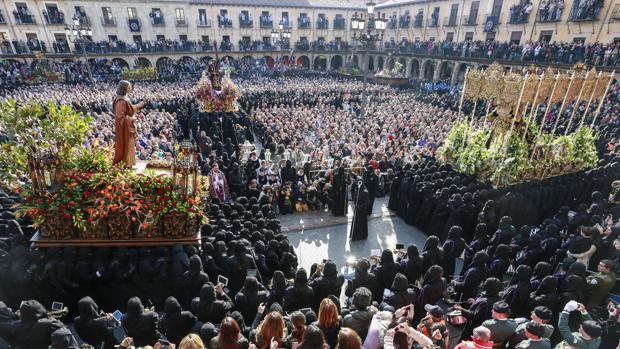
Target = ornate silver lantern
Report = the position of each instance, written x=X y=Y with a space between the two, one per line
x=45 y=169
x=185 y=170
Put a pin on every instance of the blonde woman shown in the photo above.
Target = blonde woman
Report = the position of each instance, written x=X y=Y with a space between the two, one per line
x=191 y=341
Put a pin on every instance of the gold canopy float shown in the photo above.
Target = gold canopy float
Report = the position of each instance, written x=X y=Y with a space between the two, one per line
x=508 y=145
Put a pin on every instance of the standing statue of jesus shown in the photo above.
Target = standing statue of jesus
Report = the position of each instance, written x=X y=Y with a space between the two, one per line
x=125 y=125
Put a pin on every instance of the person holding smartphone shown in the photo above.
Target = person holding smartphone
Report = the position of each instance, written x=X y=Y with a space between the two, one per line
x=93 y=327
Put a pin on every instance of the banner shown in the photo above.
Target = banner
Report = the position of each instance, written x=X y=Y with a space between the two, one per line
x=134 y=25
x=490 y=23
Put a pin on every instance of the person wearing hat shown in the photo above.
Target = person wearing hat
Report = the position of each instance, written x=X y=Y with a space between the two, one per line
x=481 y=308
x=599 y=284
x=434 y=320
x=501 y=326
x=534 y=333
x=589 y=333
x=540 y=315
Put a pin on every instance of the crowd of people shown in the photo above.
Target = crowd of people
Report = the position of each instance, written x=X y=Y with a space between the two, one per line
x=540 y=258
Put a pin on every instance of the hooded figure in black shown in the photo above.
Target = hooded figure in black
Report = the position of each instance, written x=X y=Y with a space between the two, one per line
x=359 y=226
x=208 y=261
x=500 y=262
x=480 y=243
x=401 y=294
x=432 y=253
x=288 y=172
x=385 y=271
x=541 y=270
x=62 y=338
x=363 y=278
x=249 y=297
x=433 y=289
x=93 y=328
x=277 y=290
x=546 y=294
x=482 y=307
x=8 y=322
x=371 y=182
x=208 y=306
x=34 y=329
x=238 y=265
x=517 y=295
x=176 y=324
x=299 y=295
x=573 y=284
x=395 y=194
x=235 y=180
x=339 y=193
x=412 y=265
x=453 y=248
x=140 y=325
x=326 y=283
x=193 y=279
x=475 y=275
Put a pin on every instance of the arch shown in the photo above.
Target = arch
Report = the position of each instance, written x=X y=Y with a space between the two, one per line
x=286 y=60
x=460 y=72
x=428 y=68
x=162 y=62
x=14 y=61
x=66 y=60
x=121 y=63
x=186 y=59
x=143 y=62
x=320 y=63
x=228 y=59
x=445 y=70
x=380 y=62
x=269 y=62
x=414 y=71
x=303 y=61
x=336 y=62
x=403 y=62
x=206 y=59
x=371 y=63
x=356 y=62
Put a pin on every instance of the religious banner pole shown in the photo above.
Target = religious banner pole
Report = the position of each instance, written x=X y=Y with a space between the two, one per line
x=576 y=106
x=514 y=116
x=559 y=116
x=534 y=106
x=583 y=116
x=542 y=122
x=600 y=104
x=458 y=118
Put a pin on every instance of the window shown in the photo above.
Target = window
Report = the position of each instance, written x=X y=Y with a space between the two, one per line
x=490 y=36
x=157 y=17
x=545 y=36
x=285 y=21
x=339 y=22
x=202 y=17
x=497 y=7
x=137 y=38
x=469 y=36
x=473 y=12
x=245 y=20
x=23 y=14
x=112 y=38
x=132 y=13
x=223 y=20
x=579 y=40
x=321 y=22
x=435 y=17
x=160 y=37
x=449 y=36
x=515 y=37
x=107 y=15
x=183 y=37
x=80 y=12
x=205 y=39
x=33 y=42
x=431 y=39
x=454 y=12
x=304 y=21
x=179 y=14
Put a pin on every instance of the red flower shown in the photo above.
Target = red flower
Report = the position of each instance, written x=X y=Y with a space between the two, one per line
x=127 y=202
x=62 y=206
x=90 y=219
x=160 y=191
x=71 y=203
x=86 y=194
x=66 y=216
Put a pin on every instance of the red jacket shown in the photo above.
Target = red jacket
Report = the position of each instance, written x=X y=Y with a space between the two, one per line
x=475 y=344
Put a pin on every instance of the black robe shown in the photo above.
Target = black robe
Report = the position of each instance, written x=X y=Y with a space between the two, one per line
x=359 y=227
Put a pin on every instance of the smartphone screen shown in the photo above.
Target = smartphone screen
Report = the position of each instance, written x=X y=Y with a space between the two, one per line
x=117 y=315
x=57 y=306
x=400 y=246
x=251 y=272
x=222 y=280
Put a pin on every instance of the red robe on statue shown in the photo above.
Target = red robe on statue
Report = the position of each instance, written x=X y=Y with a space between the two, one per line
x=125 y=132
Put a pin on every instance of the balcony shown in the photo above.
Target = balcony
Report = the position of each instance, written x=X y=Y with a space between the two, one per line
x=392 y=23
x=589 y=12
x=84 y=19
x=181 y=22
x=266 y=23
x=223 y=22
x=286 y=24
x=245 y=23
x=303 y=23
x=433 y=22
x=339 y=23
x=108 y=22
x=203 y=22
x=2 y=19
x=322 y=23
x=450 y=21
x=470 y=20
x=418 y=22
x=405 y=21
x=24 y=17
x=549 y=14
x=54 y=17
x=157 y=20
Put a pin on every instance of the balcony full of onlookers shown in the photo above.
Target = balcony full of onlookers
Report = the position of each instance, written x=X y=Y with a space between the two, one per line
x=223 y=21
x=303 y=22
x=586 y=10
x=157 y=18
x=266 y=21
x=54 y=16
x=434 y=20
x=245 y=21
x=405 y=20
x=202 y=21
x=322 y=23
x=550 y=11
x=418 y=20
x=392 y=22
x=23 y=15
x=520 y=13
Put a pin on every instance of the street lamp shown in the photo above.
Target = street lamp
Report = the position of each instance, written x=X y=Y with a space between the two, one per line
x=367 y=33
x=79 y=34
x=281 y=37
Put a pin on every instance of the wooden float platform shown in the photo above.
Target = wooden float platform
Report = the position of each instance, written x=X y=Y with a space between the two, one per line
x=37 y=241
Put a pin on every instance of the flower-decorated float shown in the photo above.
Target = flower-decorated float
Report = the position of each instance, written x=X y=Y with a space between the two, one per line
x=509 y=145
x=394 y=77
x=74 y=196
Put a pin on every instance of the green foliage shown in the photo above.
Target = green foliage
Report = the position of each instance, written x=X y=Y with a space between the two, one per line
x=145 y=73
x=89 y=161
x=36 y=125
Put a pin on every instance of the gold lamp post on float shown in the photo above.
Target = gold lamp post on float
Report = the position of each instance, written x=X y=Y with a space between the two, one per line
x=185 y=170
